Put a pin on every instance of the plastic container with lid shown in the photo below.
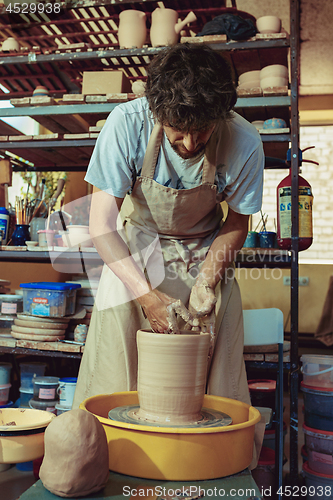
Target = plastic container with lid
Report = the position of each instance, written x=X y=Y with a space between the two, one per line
x=44 y=405
x=319 y=446
x=49 y=298
x=318 y=407
x=25 y=396
x=4 y=224
x=317 y=370
x=318 y=482
x=61 y=409
x=262 y=392
x=4 y=393
x=45 y=388
x=28 y=372
x=11 y=304
x=5 y=369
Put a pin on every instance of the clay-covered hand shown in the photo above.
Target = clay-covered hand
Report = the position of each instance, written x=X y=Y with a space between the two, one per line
x=161 y=310
x=202 y=298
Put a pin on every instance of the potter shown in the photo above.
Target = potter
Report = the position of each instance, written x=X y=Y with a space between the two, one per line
x=166 y=161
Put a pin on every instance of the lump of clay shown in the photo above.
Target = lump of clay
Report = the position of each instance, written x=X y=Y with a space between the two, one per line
x=76 y=458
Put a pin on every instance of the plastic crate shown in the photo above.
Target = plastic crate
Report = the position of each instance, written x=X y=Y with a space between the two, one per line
x=49 y=299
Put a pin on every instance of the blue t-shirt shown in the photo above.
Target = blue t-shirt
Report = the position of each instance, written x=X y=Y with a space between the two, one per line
x=118 y=156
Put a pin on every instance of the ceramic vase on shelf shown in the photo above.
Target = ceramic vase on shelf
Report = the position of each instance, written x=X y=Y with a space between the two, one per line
x=165 y=28
x=10 y=44
x=20 y=235
x=132 y=29
x=172 y=373
x=40 y=90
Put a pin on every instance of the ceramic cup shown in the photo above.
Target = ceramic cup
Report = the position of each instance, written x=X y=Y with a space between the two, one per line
x=267 y=239
x=252 y=240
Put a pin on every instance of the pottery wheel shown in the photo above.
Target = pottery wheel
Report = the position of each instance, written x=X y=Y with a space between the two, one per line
x=209 y=418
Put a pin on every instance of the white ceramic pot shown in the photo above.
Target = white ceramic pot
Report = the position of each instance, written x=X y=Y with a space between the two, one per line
x=274 y=70
x=268 y=24
x=132 y=29
x=273 y=81
x=10 y=44
x=172 y=373
x=166 y=27
x=249 y=76
x=138 y=87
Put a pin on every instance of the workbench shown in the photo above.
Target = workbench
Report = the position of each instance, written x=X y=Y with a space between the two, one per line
x=239 y=486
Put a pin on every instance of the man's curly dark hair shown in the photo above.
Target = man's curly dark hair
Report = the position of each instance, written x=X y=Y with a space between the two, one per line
x=189 y=87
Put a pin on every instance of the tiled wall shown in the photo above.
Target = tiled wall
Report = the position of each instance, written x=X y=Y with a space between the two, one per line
x=321 y=179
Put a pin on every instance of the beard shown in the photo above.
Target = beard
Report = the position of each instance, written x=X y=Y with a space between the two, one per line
x=181 y=151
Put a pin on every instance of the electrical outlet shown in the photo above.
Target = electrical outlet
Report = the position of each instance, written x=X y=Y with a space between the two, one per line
x=302 y=281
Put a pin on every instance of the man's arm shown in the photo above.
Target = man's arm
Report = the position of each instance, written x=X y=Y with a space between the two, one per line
x=225 y=247
x=222 y=252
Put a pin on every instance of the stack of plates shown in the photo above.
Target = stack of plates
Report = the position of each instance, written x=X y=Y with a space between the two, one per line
x=28 y=327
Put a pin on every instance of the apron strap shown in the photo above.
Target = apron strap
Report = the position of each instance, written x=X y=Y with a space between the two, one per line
x=153 y=148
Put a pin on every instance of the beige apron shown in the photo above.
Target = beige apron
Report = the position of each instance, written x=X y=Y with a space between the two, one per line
x=169 y=232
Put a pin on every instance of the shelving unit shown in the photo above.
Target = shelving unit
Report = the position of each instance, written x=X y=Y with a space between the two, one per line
x=89 y=29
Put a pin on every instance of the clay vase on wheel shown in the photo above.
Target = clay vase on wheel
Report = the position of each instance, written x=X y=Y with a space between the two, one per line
x=172 y=373
x=132 y=29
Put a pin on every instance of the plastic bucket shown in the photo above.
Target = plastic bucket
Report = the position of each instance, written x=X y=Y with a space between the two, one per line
x=5 y=369
x=66 y=391
x=4 y=394
x=319 y=446
x=318 y=407
x=25 y=396
x=317 y=370
x=262 y=392
x=29 y=371
x=45 y=388
x=318 y=482
x=44 y=405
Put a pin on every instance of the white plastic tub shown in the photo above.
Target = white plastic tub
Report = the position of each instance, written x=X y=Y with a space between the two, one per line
x=317 y=370
x=25 y=396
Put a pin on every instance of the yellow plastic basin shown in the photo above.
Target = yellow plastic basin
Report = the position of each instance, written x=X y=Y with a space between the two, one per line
x=177 y=454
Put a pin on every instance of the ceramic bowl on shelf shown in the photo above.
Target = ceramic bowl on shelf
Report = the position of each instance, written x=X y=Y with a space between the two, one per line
x=249 y=76
x=10 y=44
x=273 y=81
x=40 y=90
x=274 y=70
x=251 y=84
x=77 y=235
x=259 y=124
x=268 y=24
x=274 y=123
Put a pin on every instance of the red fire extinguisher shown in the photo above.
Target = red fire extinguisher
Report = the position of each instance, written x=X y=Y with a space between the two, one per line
x=305 y=200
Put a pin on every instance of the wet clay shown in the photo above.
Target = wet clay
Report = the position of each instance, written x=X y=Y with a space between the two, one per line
x=76 y=455
x=172 y=373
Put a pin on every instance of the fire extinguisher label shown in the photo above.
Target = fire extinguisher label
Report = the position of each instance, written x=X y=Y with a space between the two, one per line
x=305 y=200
